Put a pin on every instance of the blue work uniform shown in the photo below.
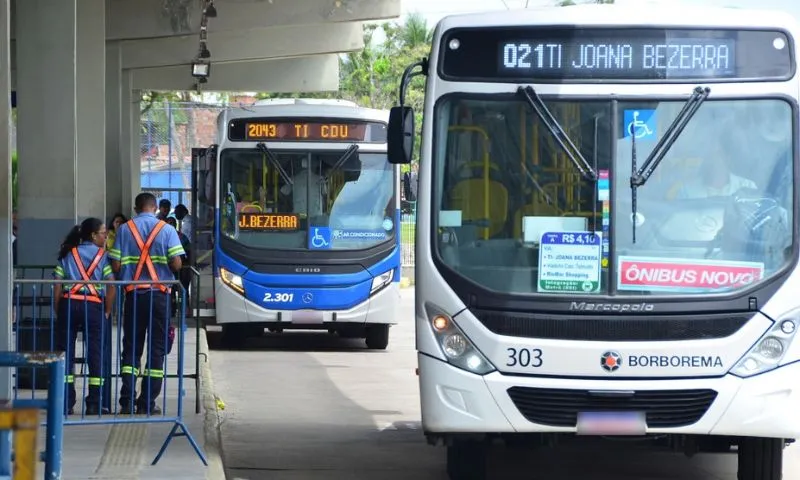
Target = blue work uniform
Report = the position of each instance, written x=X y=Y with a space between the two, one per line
x=82 y=308
x=144 y=248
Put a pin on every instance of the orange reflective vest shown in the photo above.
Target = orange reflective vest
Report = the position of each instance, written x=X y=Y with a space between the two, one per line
x=86 y=276
x=144 y=258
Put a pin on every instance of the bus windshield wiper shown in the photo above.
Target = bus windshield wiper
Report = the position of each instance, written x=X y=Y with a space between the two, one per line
x=640 y=176
x=274 y=161
x=351 y=150
x=563 y=140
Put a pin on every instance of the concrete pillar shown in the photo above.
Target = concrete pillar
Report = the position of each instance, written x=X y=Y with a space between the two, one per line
x=130 y=142
x=61 y=117
x=5 y=198
x=91 y=102
x=114 y=192
x=135 y=145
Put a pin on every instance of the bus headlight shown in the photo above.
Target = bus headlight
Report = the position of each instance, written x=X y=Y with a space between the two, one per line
x=381 y=281
x=457 y=348
x=770 y=349
x=231 y=280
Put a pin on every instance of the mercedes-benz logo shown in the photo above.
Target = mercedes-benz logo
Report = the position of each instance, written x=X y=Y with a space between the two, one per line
x=308 y=298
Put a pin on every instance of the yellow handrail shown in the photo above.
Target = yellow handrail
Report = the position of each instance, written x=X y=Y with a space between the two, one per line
x=253 y=205
x=482 y=132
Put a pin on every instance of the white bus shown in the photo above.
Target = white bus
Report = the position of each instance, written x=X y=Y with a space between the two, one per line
x=307 y=218
x=606 y=230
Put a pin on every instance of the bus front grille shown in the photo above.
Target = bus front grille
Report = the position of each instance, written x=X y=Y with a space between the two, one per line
x=663 y=408
x=639 y=328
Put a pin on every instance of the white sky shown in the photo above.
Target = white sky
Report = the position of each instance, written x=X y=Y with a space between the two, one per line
x=434 y=10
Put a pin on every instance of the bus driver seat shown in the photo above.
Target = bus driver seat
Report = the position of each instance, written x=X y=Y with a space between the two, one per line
x=481 y=198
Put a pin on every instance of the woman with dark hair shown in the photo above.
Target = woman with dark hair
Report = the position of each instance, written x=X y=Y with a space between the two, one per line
x=78 y=302
x=117 y=220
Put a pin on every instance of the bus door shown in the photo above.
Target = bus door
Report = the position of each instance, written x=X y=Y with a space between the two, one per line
x=203 y=210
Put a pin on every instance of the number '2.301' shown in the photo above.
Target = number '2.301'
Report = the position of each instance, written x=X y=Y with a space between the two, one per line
x=524 y=357
x=278 y=297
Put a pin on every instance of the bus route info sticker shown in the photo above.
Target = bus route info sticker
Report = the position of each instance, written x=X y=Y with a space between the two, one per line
x=570 y=262
x=685 y=275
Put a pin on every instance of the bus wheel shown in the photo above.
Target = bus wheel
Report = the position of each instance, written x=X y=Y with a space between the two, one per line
x=761 y=458
x=377 y=337
x=466 y=460
x=234 y=336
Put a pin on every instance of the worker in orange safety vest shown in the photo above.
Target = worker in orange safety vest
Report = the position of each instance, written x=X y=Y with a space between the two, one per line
x=81 y=304
x=145 y=251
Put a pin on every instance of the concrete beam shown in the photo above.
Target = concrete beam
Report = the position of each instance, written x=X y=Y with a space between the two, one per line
x=303 y=74
x=260 y=44
x=127 y=20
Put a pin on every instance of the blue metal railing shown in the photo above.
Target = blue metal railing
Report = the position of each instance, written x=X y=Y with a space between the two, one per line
x=54 y=362
x=146 y=322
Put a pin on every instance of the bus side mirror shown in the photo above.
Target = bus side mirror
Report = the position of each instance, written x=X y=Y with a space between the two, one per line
x=400 y=135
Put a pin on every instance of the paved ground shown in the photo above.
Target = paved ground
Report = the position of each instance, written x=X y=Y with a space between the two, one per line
x=311 y=406
x=125 y=452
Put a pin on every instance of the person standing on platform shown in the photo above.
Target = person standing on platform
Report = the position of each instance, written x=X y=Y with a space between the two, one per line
x=117 y=220
x=164 y=207
x=82 y=258
x=145 y=251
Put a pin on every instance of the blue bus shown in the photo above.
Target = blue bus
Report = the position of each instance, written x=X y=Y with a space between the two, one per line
x=306 y=217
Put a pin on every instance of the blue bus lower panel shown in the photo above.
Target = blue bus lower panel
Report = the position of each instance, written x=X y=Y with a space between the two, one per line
x=294 y=298
x=232 y=307
x=287 y=280
x=308 y=298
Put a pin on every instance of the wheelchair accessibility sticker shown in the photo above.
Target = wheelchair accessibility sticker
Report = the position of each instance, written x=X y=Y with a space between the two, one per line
x=641 y=123
x=359 y=234
x=319 y=238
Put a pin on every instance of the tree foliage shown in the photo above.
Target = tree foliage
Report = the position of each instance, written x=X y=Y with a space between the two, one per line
x=371 y=77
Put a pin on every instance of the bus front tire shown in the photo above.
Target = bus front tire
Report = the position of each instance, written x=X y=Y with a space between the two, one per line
x=761 y=458
x=377 y=337
x=235 y=335
x=467 y=459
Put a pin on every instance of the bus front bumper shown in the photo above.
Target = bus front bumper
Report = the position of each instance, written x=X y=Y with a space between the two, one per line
x=456 y=401
x=232 y=307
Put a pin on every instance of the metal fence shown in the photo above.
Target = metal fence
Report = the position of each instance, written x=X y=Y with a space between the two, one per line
x=169 y=131
x=408 y=227
x=109 y=353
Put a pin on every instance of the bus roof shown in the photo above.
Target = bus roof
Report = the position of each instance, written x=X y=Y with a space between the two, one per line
x=648 y=14
x=324 y=110
x=306 y=101
x=287 y=108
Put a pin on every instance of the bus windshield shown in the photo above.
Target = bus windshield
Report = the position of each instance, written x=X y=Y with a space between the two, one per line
x=514 y=214
x=306 y=199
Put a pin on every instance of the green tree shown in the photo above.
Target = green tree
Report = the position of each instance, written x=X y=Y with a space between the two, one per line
x=371 y=76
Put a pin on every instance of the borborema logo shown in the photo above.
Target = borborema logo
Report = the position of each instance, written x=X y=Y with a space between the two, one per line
x=611 y=361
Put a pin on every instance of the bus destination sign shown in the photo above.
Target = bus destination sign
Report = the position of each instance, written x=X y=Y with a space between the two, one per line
x=289 y=130
x=653 y=54
x=281 y=222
